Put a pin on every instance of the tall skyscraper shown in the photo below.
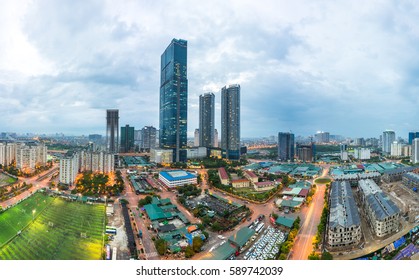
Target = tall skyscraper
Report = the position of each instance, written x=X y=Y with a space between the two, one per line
x=127 y=139
x=389 y=137
x=174 y=99
x=112 y=130
x=415 y=151
x=413 y=135
x=215 y=138
x=148 y=135
x=196 y=138
x=230 y=121
x=285 y=146
x=206 y=119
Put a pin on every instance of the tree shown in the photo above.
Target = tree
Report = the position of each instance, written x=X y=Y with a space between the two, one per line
x=161 y=246
x=327 y=256
x=275 y=216
x=197 y=244
x=189 y=252
x=216 y=226
x=314 y=256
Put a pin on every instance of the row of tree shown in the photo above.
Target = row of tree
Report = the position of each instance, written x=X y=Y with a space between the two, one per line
x=285 y=247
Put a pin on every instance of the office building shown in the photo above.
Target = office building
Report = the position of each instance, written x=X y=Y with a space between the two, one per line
x=413 y=135
x=382 y=214
x=196 y=153
x=415 y=151
x=322 y=137
x=285 y=146
x=230 y=121
x=344 y=222
x=127 y=139
x=306 y=152
x=407 y=150
x=112 y=130
x=149 y=138
x=196 y=138
x=69 y=168
x=206 y=119
x=359 y=142
x=174 y=99
x=389 y=137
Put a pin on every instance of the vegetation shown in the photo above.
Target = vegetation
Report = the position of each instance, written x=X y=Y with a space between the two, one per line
x=197 y=243
x=61 y=231
x=161 y=246
x=323 y=220
x=97 y=184
x=285 y=247
x=144 y=201
x=189 y=252
x=189 y=190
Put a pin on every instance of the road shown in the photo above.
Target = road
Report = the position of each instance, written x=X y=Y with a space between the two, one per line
x=310 y=219
x=147 y=243
x=44 y=179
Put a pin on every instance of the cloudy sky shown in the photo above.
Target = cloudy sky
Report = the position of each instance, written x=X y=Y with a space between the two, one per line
x=350 y=69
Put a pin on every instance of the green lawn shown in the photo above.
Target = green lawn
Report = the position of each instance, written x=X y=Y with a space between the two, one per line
x=6 y=180
x=19 y=216
x=57 y=233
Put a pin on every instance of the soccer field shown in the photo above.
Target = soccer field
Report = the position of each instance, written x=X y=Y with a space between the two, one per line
x=19 y=216
x=6 y=180
x=64 y=231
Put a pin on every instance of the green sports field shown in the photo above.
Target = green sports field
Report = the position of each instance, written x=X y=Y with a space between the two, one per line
x=19 y=216
x=63 y=231
x=6 y=180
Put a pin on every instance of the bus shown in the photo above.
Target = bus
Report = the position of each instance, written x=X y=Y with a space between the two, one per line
x=110 y=230
x=260 y=227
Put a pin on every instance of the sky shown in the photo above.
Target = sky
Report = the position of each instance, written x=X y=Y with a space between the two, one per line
x=347 y=67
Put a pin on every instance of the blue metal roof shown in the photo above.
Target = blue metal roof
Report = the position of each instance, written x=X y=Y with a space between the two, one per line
x=177 y=175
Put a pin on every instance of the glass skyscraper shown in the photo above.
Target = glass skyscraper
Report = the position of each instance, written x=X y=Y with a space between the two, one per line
x=285 y=146
x=413 y=135
x=174 y=99
x=230 y=121
x=206 y=119
x=112 y=130
x=127 y=139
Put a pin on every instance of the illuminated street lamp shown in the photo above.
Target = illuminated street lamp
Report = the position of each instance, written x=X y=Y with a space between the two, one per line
x=33 y=214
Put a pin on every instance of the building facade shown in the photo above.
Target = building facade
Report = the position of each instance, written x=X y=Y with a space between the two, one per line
x=174 y=99
x=230 y=121
x=415 y=151
x=413 y=135
x=362 y=153
x=127 y=139
x=161 y=156
x=206 y=119
x=306 y=152
x=389 y=137
x=344 y=228
x=100 y=162
x=396 y=149
x=285 y=146
x=176 y=178
x=215 y=138
x=69 y=168
x=30 y=155
x=196 y=138
x=382 y=214
x=322 y=137
x=148 y=138
x=112 y=130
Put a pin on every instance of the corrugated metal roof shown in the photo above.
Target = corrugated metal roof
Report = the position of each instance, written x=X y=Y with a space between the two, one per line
x=343 y=210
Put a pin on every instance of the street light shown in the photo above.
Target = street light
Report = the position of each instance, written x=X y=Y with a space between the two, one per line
x=33 y=214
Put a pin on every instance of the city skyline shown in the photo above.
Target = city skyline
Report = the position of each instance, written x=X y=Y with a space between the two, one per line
x=301 y=66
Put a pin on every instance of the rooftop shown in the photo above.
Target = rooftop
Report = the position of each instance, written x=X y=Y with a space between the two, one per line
x=177 y=175
x=251 y=174
x=284 y=221
x=242 y=236
x=343 y=210
x=223 y=173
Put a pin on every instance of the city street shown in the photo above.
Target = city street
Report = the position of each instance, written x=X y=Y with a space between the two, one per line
x=310 y=217
x=39 y=181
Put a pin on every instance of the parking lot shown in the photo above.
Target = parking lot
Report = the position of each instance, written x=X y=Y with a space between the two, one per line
x=266 y=247
x=218 y=205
